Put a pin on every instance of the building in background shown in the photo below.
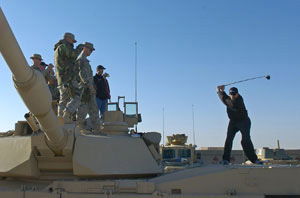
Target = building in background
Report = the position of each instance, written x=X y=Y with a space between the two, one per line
x=213 y=155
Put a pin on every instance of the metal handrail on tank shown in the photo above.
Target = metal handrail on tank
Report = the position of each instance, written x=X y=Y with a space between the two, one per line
x=31 y=87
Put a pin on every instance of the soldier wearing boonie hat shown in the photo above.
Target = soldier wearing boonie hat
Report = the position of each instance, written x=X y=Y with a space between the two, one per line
x=39 y=65
x=37 y=60
x=36 y=56
x=64 y=58
x=89 y=45
x=88 y=100
x=70 y=35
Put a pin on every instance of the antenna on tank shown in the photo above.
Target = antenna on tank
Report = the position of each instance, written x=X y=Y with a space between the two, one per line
x=193 y=118
x=135 y=71
x=163 y=125
x=135 y=75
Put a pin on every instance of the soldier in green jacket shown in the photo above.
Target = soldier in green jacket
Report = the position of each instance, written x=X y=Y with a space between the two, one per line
x=88 y=99
x=67 y=77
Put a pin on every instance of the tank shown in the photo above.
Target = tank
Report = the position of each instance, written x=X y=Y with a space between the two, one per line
x=58 y=161
x=176 y=154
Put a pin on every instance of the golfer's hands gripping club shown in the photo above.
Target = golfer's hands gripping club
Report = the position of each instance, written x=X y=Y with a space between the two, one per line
x=220 y=88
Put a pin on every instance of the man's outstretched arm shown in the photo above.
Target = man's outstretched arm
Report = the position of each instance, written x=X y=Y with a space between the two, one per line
x=223 y=96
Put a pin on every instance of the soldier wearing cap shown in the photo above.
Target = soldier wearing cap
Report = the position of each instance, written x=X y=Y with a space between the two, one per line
x=88 y=101
x=67 y=77
x=239 y=121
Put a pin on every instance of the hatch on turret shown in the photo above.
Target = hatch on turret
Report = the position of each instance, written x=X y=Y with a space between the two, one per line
x=117 y=121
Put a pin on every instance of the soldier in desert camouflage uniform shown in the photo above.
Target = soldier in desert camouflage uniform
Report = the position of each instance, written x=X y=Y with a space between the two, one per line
x=88 y=100
x=37 y=65
x=67 y=77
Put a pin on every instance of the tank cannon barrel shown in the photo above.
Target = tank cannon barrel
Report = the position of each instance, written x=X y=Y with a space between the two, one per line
x=31 y=87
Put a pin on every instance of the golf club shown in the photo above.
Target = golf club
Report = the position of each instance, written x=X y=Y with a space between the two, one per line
x=268 y=77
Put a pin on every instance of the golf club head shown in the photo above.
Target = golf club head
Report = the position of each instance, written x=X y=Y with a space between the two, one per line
x=268 y=77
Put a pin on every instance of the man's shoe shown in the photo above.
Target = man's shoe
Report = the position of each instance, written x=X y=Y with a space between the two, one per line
x=224 y=162
x=259 y=162
x=61 y=120
x=86 y=132
x=99 y=132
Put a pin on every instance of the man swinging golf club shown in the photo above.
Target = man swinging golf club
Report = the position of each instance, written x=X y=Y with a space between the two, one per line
x=239 y=121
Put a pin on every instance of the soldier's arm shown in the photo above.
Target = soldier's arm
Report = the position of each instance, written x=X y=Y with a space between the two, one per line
x=59 y=53
x=108 y=89
x=64 y=51
x=61 y=50
x=83 y=74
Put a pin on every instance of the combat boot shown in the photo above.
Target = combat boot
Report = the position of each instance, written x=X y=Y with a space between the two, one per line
x=86 y=132
x=67 y=118
x=61 y=120
x=98 y=131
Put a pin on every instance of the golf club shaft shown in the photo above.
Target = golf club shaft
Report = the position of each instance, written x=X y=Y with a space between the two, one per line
x=244 y=80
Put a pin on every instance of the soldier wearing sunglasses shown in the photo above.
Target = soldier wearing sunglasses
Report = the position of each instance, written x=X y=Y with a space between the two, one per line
x=239 y=121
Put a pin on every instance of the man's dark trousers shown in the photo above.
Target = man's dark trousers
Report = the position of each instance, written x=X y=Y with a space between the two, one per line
x=243 y=126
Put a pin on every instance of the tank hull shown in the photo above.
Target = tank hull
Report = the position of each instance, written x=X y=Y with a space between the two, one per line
x=209 y=181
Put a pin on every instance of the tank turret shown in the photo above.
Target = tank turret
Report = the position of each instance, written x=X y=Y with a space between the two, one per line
x=177 y=139
x=176 y=154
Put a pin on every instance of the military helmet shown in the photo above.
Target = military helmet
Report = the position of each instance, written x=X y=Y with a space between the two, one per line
x=37 y=56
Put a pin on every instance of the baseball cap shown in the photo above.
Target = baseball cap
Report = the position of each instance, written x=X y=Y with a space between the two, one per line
x=233 y=91
x=100 y=67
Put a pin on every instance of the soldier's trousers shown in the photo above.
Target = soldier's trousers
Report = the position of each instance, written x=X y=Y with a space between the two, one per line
x=243 y=126
x=69 y=99
x=89 y=107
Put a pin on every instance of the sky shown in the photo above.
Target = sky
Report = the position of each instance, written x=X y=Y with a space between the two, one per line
x=185 y=49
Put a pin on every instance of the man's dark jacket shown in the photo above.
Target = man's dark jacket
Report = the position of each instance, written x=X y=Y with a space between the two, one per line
x=102 y=87
x=236 y=109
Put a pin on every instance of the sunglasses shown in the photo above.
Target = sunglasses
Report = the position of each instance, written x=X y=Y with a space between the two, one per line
x=233 y=94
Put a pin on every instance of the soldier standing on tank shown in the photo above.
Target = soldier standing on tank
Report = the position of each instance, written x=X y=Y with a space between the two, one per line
x=67 y=76
x=37 y=60
x=88 y=100
x=37 y=65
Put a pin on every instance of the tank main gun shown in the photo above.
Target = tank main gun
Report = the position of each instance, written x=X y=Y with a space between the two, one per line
x=32 y=88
